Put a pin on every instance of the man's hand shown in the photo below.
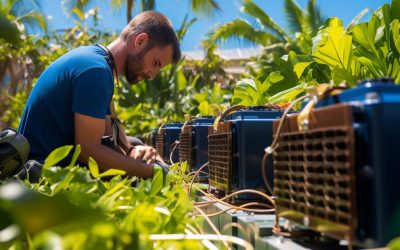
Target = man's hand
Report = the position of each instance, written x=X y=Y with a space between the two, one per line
x=145 y=154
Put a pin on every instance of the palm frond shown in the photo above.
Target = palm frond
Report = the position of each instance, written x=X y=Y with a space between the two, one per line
x=357 y=18
x=33 y=20
x=185 y=27
x=241 y=29
x=254 y=11
x=204 y=7
x=116 y=4
x=29 y=12
x=295 y=16
x=314 y=17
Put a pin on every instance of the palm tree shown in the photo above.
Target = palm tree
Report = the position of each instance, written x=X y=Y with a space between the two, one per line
x=17 y=19
x=25 y=14
x=267 y=32
x=201 y=7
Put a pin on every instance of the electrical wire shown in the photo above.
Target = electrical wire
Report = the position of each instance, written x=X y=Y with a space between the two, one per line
x=194 y=172
x=175 y=144
x=269 y=150
x=213 y=227
x=244 y=206
x=194 y=177
x=233 y=194
x=229 y=205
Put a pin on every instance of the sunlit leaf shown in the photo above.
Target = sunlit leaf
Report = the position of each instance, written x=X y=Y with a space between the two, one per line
x=57 y=155
x=396 y=34
x=75 y=155
x=94 y=168
x=112 y=172
x=394 y=244
x=157 y=182
x=78 y=13
x=204 y=108
x=275 y=77
x=181 y=80
x=300 y=67
x=333 y=46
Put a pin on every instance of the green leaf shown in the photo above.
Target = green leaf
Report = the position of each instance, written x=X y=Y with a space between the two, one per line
x=369 y=64
x=395 y=26
x=287 y=95
x=204 y=108
x=9 y=31
x=300 y=67
x=395 y=10
x=242 y=29
x=112 y=172
x=340 y=75
x=181 y=80
x=57 y=155
x=333 y=46
x=94 y=168
x=78 y=13
x=275 y=77
x=75 y=155
x=56 y=212
x=250 y=8
x=200 y=97
x=363 y=36
x=157 y=183
x=394 y=244
x=294 y=15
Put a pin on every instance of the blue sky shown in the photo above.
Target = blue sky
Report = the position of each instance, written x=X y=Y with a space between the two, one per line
x=177 y=9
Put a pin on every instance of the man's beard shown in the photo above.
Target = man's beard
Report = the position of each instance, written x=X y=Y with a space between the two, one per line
x=134 y=67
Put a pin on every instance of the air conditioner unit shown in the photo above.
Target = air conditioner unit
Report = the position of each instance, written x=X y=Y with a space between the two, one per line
x=166 y=139
x=193 y=144
x=341 y=175
x=236 y=148
x=150 y=138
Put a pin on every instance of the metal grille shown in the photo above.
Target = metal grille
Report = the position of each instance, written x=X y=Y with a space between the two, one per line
x=314 y=171
x=160 y=142
x=220 y=155
x=148 y=139
x=186 y=150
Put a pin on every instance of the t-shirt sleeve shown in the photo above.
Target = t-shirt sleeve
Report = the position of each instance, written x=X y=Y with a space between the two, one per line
x=91 y=93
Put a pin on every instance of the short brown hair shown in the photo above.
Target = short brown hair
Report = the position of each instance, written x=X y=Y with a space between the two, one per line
x=159 y=29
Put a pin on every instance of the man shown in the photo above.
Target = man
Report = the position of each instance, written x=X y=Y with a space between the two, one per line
x=70 y=103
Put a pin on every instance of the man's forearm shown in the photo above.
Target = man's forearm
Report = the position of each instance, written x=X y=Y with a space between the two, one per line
x=107 y=158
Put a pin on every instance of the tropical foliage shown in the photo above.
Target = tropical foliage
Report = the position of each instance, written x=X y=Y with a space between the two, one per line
x=76 y=208
x=265 y=31
x=338 y=55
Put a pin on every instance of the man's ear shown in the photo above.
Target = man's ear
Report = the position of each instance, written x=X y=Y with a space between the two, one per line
x=141 y=40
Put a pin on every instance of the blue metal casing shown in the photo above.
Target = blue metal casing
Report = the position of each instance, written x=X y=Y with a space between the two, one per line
x=170 y=134
x=251 y=134
x=200 y=142
x=377 y=128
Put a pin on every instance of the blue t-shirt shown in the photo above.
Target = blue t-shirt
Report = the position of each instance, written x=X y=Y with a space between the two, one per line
x=80 y=81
